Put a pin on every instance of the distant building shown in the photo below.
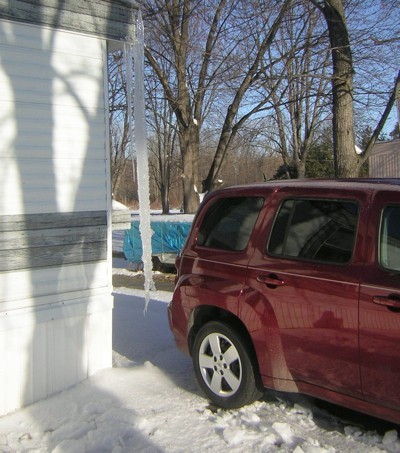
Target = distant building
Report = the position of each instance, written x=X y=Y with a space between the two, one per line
x=384 y=161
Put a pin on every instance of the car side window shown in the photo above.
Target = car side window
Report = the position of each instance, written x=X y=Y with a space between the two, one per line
x=317 y=230
x=229 y=222
x=389 y=244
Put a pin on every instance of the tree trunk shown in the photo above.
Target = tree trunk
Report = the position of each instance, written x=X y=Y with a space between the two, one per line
x=189 y=143
x=346 y=159
x=301 y=169
x=164 y=191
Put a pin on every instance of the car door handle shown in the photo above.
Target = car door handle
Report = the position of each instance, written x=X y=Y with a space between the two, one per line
x=270 y=280
x=388 y=301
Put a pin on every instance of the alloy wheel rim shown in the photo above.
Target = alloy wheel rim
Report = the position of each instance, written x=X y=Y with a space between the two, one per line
x=220 y=365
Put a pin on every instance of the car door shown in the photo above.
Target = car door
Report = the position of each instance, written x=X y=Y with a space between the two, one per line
x=380 y=304
x=308 y=274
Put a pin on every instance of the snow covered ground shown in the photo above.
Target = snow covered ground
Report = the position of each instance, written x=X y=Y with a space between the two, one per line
x=149 y=402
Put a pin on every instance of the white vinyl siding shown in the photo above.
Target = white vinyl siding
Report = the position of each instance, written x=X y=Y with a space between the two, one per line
x=19 y=290
x=48 y=351
x=53 y=120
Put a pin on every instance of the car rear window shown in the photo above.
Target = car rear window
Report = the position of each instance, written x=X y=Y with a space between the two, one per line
x=389 y=244
x=315 y=229
x=228 y=223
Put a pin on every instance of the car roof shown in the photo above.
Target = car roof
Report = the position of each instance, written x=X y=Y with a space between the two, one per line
x=362 y=184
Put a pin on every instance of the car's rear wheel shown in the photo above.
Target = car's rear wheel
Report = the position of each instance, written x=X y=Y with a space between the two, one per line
x=223 y=366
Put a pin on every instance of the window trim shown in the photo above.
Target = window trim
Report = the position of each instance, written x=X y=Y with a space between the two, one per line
x=380 y=265
x=206 y=211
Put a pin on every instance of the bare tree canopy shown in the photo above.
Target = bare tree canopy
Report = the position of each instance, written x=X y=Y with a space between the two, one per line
x=289 y=65
x=207 y=56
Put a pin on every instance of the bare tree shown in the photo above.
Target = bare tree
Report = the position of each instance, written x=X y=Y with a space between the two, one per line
x=342 y=87
x=233 y=119
x=162 y=139
x=348 y=162
x=213 y=53
x=118 y=119
x=220 y=63
x=301 y=101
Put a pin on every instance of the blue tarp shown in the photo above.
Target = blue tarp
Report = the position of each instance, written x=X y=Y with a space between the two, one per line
x=168 y=237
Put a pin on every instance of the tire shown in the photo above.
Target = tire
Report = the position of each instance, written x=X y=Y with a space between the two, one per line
x=223 y=366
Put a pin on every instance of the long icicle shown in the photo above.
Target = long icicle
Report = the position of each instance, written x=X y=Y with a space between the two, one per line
x=141 y=151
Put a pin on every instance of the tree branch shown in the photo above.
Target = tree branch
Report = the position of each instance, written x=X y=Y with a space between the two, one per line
x=395 y=93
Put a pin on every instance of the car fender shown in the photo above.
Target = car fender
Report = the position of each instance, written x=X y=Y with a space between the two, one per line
x=260 y=321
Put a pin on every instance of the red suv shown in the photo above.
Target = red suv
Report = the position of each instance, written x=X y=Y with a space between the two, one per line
x=294 y=286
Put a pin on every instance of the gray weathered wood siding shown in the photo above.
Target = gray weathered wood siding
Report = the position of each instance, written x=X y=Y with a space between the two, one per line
x=107 y=19
x=44 y=240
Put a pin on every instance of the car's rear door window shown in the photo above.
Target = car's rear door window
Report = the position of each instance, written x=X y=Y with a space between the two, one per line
x=315 y=229
x=389 y=244
x=228 y=223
